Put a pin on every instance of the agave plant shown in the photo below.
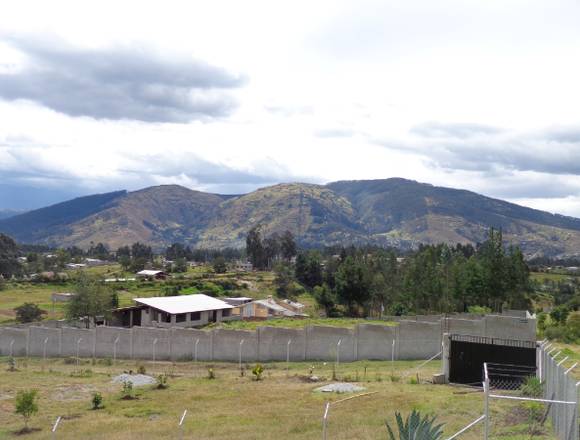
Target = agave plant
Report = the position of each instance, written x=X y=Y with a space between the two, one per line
x=415 y=427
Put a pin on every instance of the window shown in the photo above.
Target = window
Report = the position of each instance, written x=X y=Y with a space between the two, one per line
x=226 y=312
x=195 y=316
x=181 y=317
x=165 y=317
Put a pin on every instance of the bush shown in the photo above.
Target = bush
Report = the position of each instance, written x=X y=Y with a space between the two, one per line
x=532 y=387
x=141 y=369
x=26 y=405
x=479 y=310
x=257 y=371
x=11 y=364
x=210 y=373
x=97 y=401
x=127 y=390
x=28 y=312
x=162 y=382
x=415 y=427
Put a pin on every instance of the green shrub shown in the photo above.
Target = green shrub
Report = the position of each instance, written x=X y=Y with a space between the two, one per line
x=479 y=310
x=162 y=382
x=141 y=369
x=532 y=387
x=127 y=390
x=210 y=373
x=11 y=364
x=257 y=371
x=26 y=405
x=415 y=427
x=97 y=401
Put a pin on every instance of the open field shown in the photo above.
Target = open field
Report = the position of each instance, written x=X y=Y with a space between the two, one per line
x=281 y=406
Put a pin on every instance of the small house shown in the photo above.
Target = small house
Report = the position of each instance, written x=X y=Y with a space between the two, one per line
x=174 y=311
x=151 y=274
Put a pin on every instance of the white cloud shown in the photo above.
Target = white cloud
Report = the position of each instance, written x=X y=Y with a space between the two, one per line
x=465 y=94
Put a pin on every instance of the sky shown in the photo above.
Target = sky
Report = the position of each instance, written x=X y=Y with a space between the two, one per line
x=229 y=96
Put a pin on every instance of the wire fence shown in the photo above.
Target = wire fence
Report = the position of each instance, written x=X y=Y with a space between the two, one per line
x=559 y=385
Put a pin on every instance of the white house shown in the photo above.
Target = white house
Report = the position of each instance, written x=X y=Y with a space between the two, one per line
x=174 y=311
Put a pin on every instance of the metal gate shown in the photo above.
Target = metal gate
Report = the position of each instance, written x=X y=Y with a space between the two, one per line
x=468 y=354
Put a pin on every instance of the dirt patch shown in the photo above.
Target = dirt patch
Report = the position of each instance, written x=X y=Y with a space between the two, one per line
x=73 y=392
x=26 y=431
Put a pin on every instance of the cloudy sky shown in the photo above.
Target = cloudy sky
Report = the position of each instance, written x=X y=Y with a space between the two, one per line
x=229 y=96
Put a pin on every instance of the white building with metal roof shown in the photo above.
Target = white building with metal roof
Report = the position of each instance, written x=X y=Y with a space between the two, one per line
x=175 y=311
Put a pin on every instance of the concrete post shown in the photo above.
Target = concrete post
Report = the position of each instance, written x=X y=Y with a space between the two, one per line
x=60 y=342
x=131 y=343
x=27 y=342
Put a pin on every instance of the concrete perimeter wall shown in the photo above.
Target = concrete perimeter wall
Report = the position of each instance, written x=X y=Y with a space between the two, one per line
x=409 y=339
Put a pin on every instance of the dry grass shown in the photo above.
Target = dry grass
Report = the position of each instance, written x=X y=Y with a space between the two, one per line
x=282 y=406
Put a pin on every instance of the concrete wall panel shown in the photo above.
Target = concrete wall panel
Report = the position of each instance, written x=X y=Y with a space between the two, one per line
x=145 y=347
x=19 y=336
x=185 y=341
x=322 y=343
x=375 y=341
x=40 y=335
x=274 y=343
x=226 y=345
x=77 y=337
x=106 y=337
x=418 y=340
x=507 y=327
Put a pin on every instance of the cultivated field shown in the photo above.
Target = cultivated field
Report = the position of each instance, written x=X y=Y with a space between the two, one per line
x=281 y=406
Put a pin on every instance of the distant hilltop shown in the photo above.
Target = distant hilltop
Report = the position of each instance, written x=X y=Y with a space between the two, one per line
x=390 y=212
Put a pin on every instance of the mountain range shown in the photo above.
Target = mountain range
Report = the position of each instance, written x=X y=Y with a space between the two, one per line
x=390 y=212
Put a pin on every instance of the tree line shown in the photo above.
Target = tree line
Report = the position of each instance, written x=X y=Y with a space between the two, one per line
x=435 y=278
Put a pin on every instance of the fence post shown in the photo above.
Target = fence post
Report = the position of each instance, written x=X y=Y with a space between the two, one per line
x=486 y=403
x=338 y=353
x=393 y=358
x=195 y=350
x=12 y=348
x=115 y=342
x=155 y=349
x=240 y=354
x=181 y=425
x=44 y=353
x=288 y=357
x=324 y=420
x=54 y=428
x=79 y=351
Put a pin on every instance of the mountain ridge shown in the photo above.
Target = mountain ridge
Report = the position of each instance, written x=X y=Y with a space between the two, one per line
x=390 y=212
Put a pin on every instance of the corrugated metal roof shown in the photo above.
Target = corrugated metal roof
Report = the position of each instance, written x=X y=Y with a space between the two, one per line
x=150 y=272
x=184 y=304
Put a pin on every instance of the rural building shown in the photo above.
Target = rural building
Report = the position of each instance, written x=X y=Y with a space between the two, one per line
x=174 y=311
x=267 y=308
x=75 y=266
x=94 y=262
x=238 y=301
x=294 y=306
x=152 y=274
x=243 y=266
x=62 y=297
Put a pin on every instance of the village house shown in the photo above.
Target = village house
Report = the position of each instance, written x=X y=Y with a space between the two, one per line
x=148 y=274
x=174 y=311
x=266 y=309
x=243 y=266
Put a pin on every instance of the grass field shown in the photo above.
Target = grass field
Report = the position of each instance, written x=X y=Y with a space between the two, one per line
x=281 y=406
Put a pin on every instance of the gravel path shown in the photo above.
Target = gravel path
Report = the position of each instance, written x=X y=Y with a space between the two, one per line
x=138 y=380
x=340 y=387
